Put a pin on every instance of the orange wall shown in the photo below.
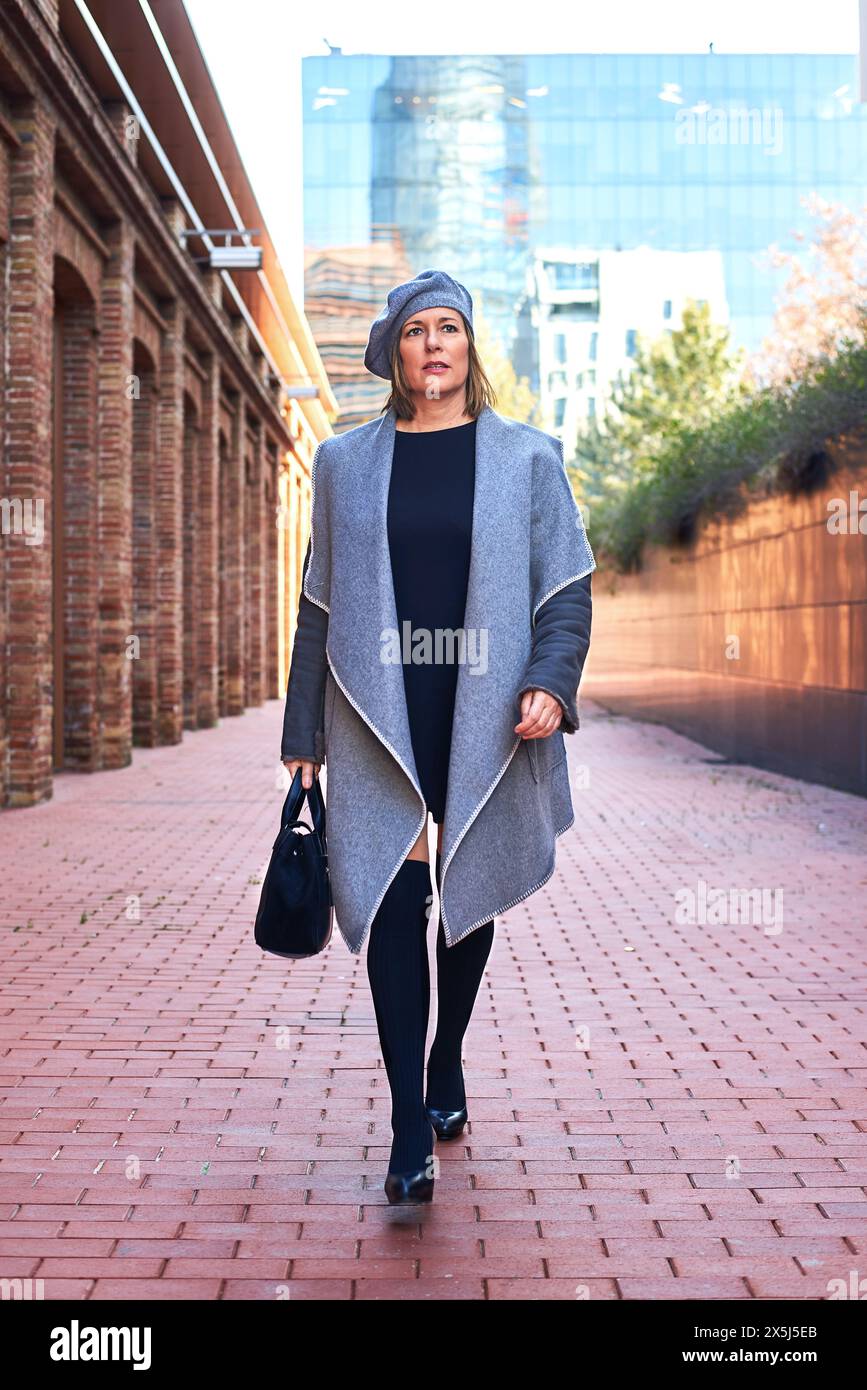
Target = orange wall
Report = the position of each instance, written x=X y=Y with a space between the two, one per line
x=753 y=640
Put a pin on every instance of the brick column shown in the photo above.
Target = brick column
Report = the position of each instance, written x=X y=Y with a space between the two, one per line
x=284 y=572
x=28 y=449
x=5 y=154
x=273 y=569
x=255 y=533
x=222 y=512
x=190 y=528
x=169 y=498
x=76 y=511
x=208 y=549
x=232 y=523
x=145 y=542
x=114 y=442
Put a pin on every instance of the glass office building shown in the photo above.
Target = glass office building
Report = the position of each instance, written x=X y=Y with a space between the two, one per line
x=473 y=163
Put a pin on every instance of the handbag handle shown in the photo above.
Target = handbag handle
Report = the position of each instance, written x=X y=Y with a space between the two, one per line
x=295 y=801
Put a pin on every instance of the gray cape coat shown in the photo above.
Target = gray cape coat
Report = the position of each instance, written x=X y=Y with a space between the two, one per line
x=508 y=798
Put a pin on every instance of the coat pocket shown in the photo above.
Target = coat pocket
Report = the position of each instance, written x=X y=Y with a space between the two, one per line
x=544 y=754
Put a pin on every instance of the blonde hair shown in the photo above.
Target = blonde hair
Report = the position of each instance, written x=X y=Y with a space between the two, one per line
x=479 y=391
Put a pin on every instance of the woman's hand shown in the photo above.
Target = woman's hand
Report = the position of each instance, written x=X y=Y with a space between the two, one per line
x=541 y=714
x=308 y=770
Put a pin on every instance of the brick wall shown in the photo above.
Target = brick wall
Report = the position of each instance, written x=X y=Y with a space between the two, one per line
x=27 y=441
x=753 y=640
x=139 y=415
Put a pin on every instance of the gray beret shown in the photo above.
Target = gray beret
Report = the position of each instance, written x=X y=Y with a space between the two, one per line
x=429 y=290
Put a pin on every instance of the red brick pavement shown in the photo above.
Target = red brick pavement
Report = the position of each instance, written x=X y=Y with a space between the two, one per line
x=661 y=1108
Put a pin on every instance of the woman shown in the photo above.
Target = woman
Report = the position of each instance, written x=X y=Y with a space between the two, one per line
x=443 y=625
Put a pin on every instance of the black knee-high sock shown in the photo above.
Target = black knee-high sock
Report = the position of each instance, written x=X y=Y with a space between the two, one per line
x=459 y=974
x=397 y=967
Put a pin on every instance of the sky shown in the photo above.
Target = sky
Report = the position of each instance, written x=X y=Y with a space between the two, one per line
x=254 y=53
x=630 y=26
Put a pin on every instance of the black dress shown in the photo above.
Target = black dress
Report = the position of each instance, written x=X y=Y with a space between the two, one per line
x=430 y=532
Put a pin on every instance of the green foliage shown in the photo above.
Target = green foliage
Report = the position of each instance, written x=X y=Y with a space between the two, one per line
x=689 y=440
x=678 y=381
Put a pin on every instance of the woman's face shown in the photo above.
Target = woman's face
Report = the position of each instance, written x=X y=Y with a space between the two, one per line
x=434 y=351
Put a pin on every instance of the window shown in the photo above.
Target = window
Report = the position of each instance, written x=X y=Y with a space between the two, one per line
x=559 y=412
x=591 y=407
x=594 y=339
x=559 y=347
x=575 y=313
x=567 y=275
x=666 y=309
x=630 y=342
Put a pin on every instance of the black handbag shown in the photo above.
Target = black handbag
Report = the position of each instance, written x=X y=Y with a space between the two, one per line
x=296 y=910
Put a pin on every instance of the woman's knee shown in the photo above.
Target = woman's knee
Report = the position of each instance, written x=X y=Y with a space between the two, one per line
x=419 y=849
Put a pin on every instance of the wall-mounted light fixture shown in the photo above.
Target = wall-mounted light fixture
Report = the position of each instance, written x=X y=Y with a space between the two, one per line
x=227 y=256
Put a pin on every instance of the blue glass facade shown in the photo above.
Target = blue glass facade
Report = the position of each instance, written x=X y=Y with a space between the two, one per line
x=478 y=161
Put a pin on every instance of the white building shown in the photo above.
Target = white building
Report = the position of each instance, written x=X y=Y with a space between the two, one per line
x=588 y=307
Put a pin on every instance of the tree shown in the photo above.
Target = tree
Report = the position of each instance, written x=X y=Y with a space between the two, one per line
x=678 y=382
x=822 y=303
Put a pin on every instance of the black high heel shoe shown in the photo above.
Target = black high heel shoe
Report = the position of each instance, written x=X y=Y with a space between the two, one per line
x=448 y=1124
x=403 y=1188
x=412 y=1186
